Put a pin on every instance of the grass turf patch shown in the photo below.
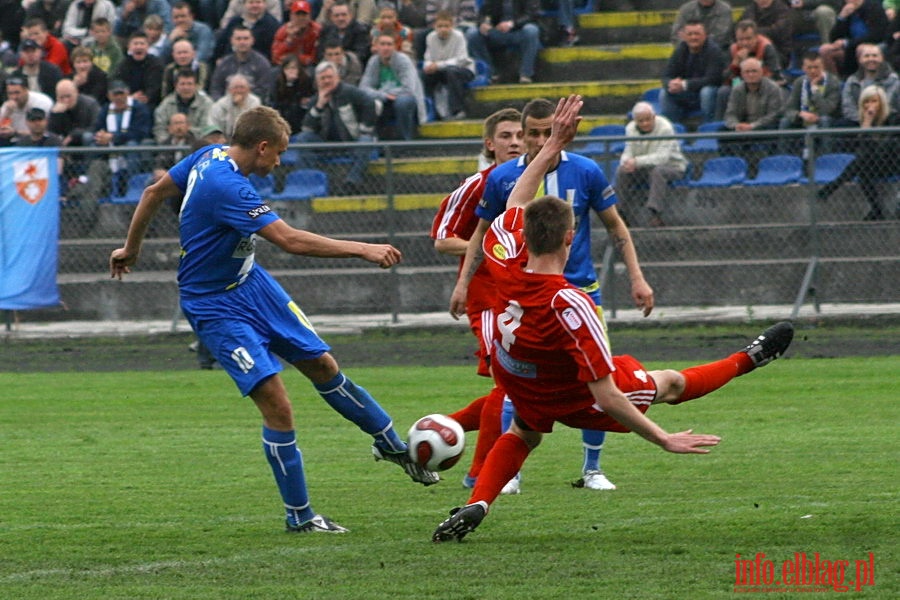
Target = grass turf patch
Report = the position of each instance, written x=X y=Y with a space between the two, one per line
x=152 y=485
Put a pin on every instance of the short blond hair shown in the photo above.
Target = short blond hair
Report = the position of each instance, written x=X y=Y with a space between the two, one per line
x=260 y=124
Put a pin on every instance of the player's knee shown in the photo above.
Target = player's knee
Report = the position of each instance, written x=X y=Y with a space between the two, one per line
x=529 y=436
x=274 y=405
x=669 y=385
x=319 y=370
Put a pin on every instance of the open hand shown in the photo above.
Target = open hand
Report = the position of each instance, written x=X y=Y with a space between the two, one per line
x=687 y=442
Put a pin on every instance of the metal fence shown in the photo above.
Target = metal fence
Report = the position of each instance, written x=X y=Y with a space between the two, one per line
x=743 y=226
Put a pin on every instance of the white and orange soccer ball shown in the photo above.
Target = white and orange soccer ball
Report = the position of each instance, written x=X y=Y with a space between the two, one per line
x=436 y=442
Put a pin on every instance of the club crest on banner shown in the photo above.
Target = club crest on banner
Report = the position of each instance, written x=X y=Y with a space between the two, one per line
x=31 y=179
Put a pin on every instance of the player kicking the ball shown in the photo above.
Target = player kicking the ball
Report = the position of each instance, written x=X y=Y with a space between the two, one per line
x=244 y=316
x=550 y=353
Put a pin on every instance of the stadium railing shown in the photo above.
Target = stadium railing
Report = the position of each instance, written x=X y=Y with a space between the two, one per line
x=723 y=245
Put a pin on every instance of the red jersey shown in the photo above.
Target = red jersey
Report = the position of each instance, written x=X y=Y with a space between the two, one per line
x=304 y=45
x=456 y=218
x=548 y=339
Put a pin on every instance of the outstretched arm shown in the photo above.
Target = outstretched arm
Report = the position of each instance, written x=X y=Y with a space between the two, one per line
x=152 y=198
x=614 y=403
x=562 y=132
x=304 y=243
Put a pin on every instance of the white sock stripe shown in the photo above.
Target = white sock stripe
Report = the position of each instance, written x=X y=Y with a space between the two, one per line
x=383 y=437
x=343 y=392
x=337 y=387
x=293 y=442
x=277 y=456
x=592 y=447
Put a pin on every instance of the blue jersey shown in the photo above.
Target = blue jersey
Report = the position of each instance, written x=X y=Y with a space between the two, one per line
x=577 y=180
x=220 y=215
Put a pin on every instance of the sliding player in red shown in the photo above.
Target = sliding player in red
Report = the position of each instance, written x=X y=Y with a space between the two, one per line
x=550 y=353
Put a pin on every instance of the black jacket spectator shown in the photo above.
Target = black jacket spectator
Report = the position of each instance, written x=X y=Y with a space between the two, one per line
x=355 y=38
x=263 y=36
x=700 y=70
x=349 y=114
x=47 y=78
x=142 y=76
x=74 y=123
x=290 y=97
x=96 y=85
x=876 y=26
x=525 y=11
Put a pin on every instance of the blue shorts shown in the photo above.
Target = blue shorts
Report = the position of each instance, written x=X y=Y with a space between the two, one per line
x=247 y=328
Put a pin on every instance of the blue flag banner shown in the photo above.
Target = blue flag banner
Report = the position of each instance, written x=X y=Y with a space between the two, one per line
x=29 y=228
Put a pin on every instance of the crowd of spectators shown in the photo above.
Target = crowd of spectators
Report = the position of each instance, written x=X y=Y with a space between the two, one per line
x=399 y=52
x=791 y=86
x=785 y=64
x=135 y=72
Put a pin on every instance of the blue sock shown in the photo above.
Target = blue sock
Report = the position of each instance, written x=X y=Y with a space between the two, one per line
x=507 y=415
x=287 y=466
x=592 y=439
x=355 y=404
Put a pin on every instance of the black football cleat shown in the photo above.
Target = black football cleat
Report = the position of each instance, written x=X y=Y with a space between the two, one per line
x=461 y=522
x=770 y=344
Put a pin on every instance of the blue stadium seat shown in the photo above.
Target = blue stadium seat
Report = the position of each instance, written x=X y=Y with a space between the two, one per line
x=780 y=169
x=706 y=144
x=303 y=184
x=134 y=189
x=685 y=179
x=828 y=166
x=290 y=157
x=723 y=171
x=610 y=169
x=651 y=97
x=482 y=74
x=263 y=185
x=675 y=183
x=600 y=148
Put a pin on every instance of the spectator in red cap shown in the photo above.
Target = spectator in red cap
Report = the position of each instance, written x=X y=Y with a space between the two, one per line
x=299 y=36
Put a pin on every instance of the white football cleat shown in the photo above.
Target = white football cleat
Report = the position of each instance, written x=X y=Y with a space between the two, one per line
x=596 y=480
x=513 y=486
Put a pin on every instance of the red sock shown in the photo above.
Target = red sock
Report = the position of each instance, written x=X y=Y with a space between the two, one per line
x=503 y=462
x=703 y=379
x=470 y=416
x=488 y=431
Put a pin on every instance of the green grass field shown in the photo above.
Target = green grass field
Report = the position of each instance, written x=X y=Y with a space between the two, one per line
x=153 y=485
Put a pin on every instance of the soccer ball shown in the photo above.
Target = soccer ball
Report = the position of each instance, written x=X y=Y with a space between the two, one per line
x=436 y=442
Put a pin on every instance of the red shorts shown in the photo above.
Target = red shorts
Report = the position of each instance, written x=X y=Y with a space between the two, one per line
x=582 y=413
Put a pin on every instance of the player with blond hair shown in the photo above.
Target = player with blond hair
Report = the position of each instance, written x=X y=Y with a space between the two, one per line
x=244 y=316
